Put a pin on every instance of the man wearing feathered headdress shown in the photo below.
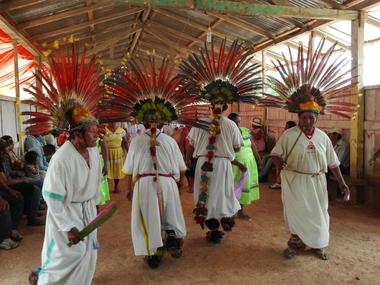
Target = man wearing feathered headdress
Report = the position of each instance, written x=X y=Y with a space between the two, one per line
x=220 y=78
x=305 y=153
x=71 y=186
x=154 y=162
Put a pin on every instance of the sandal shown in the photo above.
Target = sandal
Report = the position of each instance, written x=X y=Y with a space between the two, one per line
x=243 y=216
x=290 y=253
x=296 y=243
x=214 y=236
x=33 y=277
x=320 y=253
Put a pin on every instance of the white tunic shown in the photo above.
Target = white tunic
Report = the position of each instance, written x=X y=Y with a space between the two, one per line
x=304 y=195
x=146 y=224
x=221 y=200
x=71 y=190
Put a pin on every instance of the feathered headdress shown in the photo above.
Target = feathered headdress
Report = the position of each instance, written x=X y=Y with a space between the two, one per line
x=223 y=76
x=142 y=90
x=316 y=83
x=72 y=94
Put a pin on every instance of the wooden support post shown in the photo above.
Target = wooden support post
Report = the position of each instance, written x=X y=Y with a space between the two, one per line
x=18 y=101
x=357 y=123
x=266 y=111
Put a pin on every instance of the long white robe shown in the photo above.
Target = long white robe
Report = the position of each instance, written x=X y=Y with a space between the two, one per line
x=146 y=224
x=221 y=200
x=304 y=195
x=71 y=191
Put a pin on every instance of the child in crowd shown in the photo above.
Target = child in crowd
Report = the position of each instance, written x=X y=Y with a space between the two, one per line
x=33 y=173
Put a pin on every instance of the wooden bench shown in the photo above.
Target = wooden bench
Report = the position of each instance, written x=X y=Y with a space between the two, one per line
x=356 y=185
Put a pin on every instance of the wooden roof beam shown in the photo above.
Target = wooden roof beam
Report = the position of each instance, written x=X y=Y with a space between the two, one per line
x=288 y=20
x=204 y=33
x=244 y=25
x=64 y=15
x=313 y=24
x=373 y=22
x=65 y=30
x=283 y=37
x=169 y=43
x=145 y=16
x=106 y=44
x=146 y=47
x=109 y=32
x=11 y=30
x=174 y=32
x=252 y=9
x=14 y=5
x=90 y=15
x=333 y=39
x=332 y=4
x=185 y=21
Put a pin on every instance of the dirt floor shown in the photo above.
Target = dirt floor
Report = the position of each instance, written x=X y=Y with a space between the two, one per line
x=251 y=254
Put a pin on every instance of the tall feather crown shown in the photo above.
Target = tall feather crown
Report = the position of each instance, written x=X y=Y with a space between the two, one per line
x=142 y=90
x=72 y=93
x=316 y=83
x=223 y=76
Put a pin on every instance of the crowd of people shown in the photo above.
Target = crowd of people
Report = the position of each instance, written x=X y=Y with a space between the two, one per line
x=169 y=137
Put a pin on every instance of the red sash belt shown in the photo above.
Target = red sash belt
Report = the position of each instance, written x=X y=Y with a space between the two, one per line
x=154 y=174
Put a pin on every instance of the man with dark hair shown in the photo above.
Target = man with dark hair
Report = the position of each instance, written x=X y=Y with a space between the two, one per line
x=342 y=149
x=11 y=210
x=49 y=150
x=71 y=191
x=305 y=153
x=268 y=164
x=20 y=186
x=156 y=206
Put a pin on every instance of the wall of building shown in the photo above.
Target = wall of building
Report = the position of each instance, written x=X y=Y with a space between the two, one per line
x=8 y=125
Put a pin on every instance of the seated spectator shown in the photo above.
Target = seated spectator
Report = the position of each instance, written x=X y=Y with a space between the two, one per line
x=36 y=144
x=51 y=138
x=269 y=164
x=49 y=150
x=11 y=209
x=31 y=193
x=258 y=136
x=10 y=162
x=33 y=173
x=342 y=149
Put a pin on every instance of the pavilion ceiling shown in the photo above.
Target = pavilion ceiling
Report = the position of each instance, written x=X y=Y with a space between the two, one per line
x=112 y=30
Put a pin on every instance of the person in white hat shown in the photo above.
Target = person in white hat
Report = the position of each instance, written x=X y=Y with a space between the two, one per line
x=342 y=149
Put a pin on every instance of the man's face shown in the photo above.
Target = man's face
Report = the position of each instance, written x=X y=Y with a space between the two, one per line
x=90 y=136
x=10 y=146
x=132 y=120
x=307 y=121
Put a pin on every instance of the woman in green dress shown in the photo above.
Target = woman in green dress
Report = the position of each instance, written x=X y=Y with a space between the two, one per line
x=104 y=188
x=245 y=160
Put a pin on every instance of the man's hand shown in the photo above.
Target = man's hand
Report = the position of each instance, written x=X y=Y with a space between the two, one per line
x=242 y=168
x=74 y=236
x=105 y=170
x=345 y=191
x=4 y=205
